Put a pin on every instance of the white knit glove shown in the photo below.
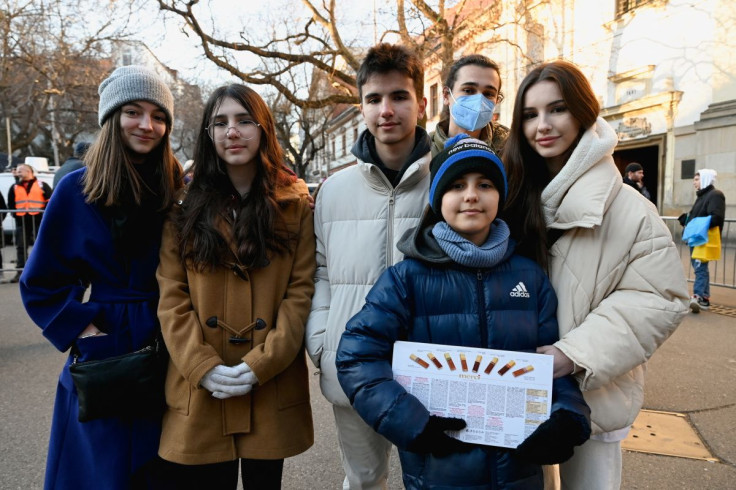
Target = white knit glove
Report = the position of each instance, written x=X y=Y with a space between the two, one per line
x=224 y=381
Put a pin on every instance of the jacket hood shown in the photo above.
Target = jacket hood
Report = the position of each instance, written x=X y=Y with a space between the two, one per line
x=707 y=177
x=419 y=242
x=364 y=148
x=579 y=195
x=438 y=137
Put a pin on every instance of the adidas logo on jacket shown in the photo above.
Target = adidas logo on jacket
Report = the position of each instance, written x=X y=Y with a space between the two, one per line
x=519 y=291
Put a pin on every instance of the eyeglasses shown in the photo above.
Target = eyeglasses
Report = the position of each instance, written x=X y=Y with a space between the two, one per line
x=244 y=129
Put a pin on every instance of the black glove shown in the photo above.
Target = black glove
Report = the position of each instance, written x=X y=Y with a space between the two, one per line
x=434 y=440
x=554 y=439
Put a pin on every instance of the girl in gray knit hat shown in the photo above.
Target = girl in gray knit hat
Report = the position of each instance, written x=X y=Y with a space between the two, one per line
x=102 y=231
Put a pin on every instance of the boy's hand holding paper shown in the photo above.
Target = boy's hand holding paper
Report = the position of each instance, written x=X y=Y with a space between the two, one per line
x=434 y=440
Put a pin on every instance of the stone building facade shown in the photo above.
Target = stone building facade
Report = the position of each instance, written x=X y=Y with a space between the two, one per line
x=664 y=72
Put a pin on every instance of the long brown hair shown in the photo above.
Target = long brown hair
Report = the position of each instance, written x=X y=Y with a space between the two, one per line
x=526 y=169
x=111 y=178
x=258 y=227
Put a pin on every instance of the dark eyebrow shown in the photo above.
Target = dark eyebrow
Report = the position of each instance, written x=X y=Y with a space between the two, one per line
x=136 y=104
x=396 y=92
x=476 y=84
x=240 y=114
x=554 y=102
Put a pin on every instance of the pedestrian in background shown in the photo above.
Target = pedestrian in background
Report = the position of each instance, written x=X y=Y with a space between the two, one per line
x=102 y=232
x=709 y=202
x=28 y=197
x=236 y=278
x=470 y=95
x=73 y=163
x=634 y=177
x=360 y=214
x=459 y=251
x=610 y=258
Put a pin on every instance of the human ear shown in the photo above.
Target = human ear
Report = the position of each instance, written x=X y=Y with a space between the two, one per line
x=422 y=107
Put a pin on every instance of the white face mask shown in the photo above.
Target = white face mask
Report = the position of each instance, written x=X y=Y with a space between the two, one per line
x=472 y=112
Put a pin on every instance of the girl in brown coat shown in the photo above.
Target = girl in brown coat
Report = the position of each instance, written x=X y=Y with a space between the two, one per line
x=237 y=262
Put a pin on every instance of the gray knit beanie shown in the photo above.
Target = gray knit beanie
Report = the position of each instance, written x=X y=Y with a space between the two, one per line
x=129 y=83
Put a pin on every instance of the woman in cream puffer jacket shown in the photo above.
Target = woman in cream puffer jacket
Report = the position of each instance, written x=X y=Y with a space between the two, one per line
x=611 y=260
x=618 y=275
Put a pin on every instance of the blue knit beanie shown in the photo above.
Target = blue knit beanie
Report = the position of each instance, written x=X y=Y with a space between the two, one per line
x=462 y=155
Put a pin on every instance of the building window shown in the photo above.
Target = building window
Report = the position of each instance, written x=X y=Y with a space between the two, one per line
x=344 y=144
x=623 y=6
x=433 y=101
x=355 y=134
x=687 y=171
x=334 y=155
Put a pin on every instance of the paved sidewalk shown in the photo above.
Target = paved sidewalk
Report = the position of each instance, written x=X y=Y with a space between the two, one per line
x=693 y=373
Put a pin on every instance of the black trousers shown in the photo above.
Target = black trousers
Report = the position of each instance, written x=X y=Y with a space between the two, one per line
x=257 y=474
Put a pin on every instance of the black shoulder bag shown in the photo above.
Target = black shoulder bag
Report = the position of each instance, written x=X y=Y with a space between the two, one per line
x=128 y=386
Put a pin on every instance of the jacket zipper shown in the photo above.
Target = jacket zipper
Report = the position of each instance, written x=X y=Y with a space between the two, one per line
x=482 y=310
x=390 y=230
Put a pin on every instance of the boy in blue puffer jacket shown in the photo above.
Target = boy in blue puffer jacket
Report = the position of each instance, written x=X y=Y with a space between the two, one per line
x=454 y=288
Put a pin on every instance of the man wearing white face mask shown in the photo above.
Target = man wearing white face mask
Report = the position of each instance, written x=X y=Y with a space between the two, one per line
x=471 y=92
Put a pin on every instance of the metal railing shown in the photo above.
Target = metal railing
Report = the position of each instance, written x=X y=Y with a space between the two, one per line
x=11 y=236
x=723 y=271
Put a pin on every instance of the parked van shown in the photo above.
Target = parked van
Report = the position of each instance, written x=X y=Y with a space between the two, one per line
x=39 y=164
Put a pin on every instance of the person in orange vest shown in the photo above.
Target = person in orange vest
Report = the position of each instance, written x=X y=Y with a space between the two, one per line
x=29 y=197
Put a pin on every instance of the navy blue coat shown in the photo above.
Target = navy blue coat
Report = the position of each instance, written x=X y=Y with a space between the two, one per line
x=74 y=249
x=433 y=300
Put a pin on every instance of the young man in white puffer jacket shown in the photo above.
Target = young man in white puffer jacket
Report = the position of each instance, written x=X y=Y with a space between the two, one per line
x=360 y=214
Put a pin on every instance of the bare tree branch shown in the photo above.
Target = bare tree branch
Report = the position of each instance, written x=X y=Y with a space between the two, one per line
x=331 y=25
x=315 y=40
x=51 y=62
